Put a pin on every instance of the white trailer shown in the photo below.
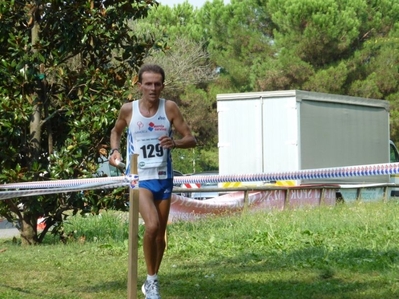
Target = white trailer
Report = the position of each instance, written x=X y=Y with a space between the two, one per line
x=280 y=131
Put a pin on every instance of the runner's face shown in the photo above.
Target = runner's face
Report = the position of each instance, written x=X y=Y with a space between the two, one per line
x=151 y=85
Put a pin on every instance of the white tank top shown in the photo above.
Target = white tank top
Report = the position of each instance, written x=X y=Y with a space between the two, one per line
x=153 y=162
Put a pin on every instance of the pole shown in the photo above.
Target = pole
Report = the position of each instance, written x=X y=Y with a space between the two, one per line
x=133 y=234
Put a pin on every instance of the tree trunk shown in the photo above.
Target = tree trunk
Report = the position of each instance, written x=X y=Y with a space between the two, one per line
x=29 y=229
x=35 y=127
x=28 y=220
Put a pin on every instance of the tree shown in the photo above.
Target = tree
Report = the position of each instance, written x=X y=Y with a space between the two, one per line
x=65 y=66
x=337 y=46
x=239 y=38
x=326 y=44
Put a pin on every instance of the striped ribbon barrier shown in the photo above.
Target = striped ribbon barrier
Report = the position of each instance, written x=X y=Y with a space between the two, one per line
x=60 y=186
x=306 y=174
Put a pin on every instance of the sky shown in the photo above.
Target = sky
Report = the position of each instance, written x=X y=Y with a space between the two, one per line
x=196 y=3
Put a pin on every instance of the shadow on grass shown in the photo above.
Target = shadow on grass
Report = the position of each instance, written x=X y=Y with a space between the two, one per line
x=112 y=286
x=308 y=273
x=19 y=290
x=289 y=289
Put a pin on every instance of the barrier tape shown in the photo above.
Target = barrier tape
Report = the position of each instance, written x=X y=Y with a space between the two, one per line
x=306 y=174
x=60 y=186
x=63 y=186
x=65 y=183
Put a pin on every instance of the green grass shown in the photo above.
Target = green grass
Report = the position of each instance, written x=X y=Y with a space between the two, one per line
x=349 y=251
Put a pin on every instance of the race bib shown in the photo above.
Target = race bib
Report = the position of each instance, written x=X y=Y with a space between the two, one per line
x=151 y=153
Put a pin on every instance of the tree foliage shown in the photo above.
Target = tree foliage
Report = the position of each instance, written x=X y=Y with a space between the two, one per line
x=65 y=66
x=239 y=40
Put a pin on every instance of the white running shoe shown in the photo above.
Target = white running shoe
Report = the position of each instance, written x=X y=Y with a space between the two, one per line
x=150 y=289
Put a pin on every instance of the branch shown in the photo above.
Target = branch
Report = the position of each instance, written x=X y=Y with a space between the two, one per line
x=13 y=208
x=42 y=122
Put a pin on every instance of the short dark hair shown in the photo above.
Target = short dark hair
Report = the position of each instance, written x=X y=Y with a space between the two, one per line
x=151 y=68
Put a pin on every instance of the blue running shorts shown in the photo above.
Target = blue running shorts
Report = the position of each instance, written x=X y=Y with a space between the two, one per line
x=161 y=189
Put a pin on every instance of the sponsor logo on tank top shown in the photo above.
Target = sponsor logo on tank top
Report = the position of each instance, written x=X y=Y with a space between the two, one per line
x=141 y=132
x=153 y=127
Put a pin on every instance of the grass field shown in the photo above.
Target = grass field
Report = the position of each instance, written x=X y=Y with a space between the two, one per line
x=348 y=251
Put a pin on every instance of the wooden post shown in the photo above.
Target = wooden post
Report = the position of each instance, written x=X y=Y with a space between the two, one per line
x=246 y=200
x=133 y=234
x=359 y=194
x=322 y=197
x=387 y=193
x=287 y=199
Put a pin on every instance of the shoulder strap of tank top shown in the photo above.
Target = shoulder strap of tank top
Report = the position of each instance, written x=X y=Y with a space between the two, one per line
x=162 y=105
x=135 y=105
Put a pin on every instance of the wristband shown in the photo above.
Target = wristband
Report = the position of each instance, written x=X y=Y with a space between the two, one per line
x=113 y=150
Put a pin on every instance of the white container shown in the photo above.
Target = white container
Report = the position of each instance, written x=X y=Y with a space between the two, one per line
x=279 y=131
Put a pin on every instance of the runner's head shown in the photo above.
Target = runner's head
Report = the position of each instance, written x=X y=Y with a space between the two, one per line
x=151 y=68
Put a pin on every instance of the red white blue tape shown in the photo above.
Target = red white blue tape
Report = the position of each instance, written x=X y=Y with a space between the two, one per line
x=50 y=187
x=307 y=174
x=61 y=186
